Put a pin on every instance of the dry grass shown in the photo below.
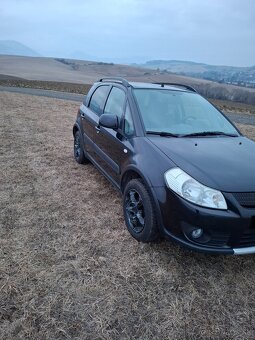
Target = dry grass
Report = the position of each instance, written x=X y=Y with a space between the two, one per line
x=230 y=106
x=68 y=267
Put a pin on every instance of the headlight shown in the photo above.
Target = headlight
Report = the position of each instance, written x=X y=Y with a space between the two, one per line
x=193 y=191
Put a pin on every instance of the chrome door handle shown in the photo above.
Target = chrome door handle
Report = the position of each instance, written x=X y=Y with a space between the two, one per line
x=97 y=128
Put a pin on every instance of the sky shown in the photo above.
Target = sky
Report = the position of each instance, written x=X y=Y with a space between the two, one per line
x=218 y=32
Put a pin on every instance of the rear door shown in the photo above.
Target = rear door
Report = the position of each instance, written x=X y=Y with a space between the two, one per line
x=90 y=116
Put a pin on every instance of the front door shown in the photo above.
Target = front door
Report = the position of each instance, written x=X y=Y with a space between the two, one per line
x=110 y=147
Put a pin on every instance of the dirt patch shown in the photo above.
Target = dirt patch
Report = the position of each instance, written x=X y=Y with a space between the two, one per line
x=46 y=85
x=68 y=267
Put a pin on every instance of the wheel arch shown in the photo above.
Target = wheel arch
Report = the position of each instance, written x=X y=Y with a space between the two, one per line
x=131 y=173
x=76 y=128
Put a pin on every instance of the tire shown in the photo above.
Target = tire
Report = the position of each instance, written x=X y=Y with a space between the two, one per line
x=139 y=212
x=78 y=149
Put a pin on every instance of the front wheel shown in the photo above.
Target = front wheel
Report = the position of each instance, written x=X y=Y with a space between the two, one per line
x=139 y=212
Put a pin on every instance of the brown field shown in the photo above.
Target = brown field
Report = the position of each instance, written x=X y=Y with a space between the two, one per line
x=77 y=71
x=230 y=106
x=87 y=72
x=68 y=267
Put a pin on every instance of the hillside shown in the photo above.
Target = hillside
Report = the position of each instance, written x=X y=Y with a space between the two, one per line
x=244 y=76
x=11 y=47
x=86 y=72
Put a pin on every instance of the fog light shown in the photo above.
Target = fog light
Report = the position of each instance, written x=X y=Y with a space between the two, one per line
x=196 y=233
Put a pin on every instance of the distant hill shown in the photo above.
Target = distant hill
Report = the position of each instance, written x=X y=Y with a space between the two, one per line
x=86 y=72
x=11 y=47
x=242 y=76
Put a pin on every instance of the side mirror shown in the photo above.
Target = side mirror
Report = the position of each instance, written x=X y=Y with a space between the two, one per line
x=109 y=121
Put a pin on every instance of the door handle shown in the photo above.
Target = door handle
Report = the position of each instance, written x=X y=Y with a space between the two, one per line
x=97 y=128
x=82 y=115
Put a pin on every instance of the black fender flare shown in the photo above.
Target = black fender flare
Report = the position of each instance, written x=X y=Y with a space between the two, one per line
x=76 y=127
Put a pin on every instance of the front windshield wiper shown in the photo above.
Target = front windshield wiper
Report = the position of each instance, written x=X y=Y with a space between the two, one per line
x=163 y=133
x=210 y=133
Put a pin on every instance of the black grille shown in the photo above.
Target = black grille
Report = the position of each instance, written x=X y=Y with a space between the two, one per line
x=247 y=239
x=253 y=222
x=245 y=199
x=219 y=239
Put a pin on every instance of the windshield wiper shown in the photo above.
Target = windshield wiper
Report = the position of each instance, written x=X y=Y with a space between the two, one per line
x=163 y=133
x=210 y=133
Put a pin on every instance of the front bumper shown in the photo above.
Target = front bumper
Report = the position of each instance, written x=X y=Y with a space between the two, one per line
x=229 y=231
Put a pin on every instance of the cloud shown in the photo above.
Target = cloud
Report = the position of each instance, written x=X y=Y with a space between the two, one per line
x=217 y=32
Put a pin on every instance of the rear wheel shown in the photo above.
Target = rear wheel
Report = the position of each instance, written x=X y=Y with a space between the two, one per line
x=139 y=212
x=78 y=149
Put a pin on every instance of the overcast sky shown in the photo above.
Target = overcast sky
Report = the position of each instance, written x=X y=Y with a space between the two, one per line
x=211 y=31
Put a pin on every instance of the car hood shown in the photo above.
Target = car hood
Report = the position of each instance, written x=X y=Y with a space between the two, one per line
x=223 y=163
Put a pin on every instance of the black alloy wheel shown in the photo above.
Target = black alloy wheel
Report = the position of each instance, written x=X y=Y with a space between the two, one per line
x=139 y=212
x=134 y=210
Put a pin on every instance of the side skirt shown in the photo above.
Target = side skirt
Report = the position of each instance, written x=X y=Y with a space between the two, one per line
x=103 y=172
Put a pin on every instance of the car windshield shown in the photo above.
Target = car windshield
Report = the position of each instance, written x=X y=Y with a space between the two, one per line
x=180 y=113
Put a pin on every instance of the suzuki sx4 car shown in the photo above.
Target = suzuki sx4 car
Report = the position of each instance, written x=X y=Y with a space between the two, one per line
x=185 y=171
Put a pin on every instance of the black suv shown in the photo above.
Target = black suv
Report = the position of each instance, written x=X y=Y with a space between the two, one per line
x=185 y=171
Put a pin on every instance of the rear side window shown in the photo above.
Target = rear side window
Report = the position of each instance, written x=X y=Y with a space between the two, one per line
x=115 y=102
x=98 y=98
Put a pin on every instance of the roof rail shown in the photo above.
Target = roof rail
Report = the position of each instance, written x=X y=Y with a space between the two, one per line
x=115 y=80
x=180 y=85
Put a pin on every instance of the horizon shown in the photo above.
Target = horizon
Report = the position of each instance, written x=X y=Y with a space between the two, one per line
x=98 y=59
